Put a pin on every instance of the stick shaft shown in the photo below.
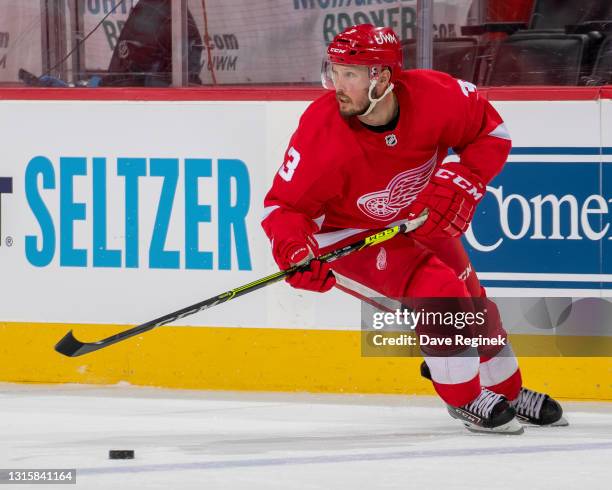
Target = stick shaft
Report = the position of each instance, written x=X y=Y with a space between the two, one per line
x=71 y=347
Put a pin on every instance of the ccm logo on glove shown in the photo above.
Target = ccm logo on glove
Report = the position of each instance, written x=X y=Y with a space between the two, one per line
x=475 y=191
x=451 y=197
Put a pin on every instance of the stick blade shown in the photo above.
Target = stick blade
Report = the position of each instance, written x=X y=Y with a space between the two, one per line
x=70 y=346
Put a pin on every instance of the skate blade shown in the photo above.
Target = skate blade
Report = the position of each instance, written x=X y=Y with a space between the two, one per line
x=509 y=428
x=562 y=422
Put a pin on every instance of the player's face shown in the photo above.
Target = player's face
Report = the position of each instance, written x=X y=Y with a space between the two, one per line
x=351 y=83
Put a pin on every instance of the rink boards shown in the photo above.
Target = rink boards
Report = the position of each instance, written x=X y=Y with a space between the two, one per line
x=114 y=212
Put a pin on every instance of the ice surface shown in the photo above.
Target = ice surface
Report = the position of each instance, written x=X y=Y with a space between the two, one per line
x=218 y=440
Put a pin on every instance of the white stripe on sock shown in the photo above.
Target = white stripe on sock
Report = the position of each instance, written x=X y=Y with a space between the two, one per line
x=498 y=368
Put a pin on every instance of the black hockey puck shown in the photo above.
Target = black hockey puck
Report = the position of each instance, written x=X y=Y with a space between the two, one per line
x=121 y=454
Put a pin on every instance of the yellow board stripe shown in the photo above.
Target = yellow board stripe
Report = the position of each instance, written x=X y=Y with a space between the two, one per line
x=258 y=359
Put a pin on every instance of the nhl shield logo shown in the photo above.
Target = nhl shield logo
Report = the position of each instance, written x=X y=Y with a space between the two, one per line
x=391 y=140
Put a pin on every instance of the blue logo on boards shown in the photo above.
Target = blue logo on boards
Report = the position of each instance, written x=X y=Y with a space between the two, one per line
x=46 y=183
x=545 y=221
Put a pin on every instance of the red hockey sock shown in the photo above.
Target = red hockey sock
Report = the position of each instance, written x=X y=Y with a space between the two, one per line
x=460 y=393
x=510 y=387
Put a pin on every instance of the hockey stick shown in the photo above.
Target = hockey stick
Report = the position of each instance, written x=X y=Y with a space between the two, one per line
x=71 y=347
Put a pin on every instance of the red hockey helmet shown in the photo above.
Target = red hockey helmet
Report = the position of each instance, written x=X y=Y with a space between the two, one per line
x=367 y=45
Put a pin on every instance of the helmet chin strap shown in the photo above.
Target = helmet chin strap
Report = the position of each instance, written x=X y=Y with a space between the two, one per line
x=374 y=101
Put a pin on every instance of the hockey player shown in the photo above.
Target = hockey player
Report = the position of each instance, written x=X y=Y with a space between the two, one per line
x=370 y=153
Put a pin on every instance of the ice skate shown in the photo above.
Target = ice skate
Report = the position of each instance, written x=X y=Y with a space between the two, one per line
x=488 y=413
x=533 y=408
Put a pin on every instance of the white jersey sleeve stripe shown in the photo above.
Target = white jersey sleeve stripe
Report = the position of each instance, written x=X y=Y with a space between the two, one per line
x=319 y=221
x=268 y=211
x=331 y=237
x=501 y=131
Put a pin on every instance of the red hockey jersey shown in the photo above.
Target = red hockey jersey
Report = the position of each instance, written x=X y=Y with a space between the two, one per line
x=340 y=175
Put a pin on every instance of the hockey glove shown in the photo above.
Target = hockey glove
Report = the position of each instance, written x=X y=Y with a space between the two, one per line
x=294 y=251
x=451 y=197
x=318 y=278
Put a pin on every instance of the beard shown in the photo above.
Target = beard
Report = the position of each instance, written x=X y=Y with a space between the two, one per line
x=348 y=108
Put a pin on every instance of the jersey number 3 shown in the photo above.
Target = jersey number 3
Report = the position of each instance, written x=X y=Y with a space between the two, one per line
x=288 y=168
